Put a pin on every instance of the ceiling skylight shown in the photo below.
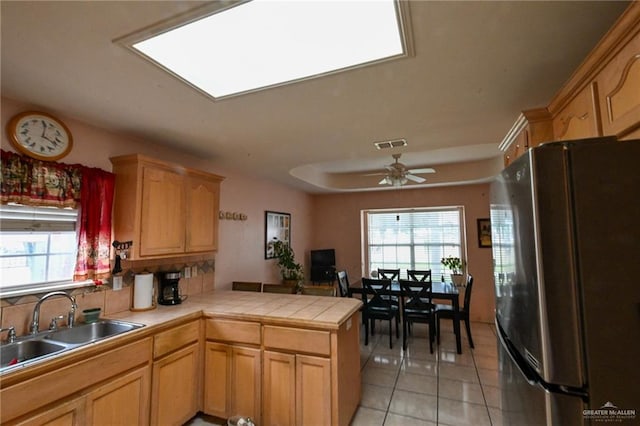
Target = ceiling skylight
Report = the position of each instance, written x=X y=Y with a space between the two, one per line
x=265 y=43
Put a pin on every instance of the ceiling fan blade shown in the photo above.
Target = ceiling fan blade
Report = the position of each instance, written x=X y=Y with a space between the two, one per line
x=383 y=181
x=425 y=170
x=375 y=174
x=416 y=179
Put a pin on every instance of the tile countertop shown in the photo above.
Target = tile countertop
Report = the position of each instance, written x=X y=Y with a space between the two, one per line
x=319 y=312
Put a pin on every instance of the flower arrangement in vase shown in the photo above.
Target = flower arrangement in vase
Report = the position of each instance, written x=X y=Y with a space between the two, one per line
x=456 y=265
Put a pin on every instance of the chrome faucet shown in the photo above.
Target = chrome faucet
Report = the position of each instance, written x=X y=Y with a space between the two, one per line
x=11 y=336
x=35 y=323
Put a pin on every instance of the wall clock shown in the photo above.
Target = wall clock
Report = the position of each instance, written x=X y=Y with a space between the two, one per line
x=40 y=135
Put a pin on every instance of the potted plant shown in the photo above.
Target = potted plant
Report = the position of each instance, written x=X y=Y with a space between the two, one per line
x=456 y=265
x=290 y=270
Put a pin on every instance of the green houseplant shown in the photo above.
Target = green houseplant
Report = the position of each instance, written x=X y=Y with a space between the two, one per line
x=290 y=270
x=456 y=265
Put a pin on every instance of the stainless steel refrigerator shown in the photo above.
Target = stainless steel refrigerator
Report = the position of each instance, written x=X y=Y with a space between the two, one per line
x=565 y=223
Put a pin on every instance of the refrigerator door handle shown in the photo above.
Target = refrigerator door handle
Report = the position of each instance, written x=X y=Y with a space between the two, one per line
x=527 y=372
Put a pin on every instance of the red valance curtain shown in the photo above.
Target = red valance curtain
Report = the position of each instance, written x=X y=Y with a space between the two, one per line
x=33 y=182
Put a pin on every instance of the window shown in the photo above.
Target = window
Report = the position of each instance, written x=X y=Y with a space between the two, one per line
x=413 y=238
x=257 y=44
x=39 y=246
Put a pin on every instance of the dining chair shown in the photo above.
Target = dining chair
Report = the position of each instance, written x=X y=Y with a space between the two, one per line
x=417 y=306
x=278 y=288
x=246 y=286
x=319 y=290
x=447 y=312
x=377 y=306
x=419 y=275
x=343 y=283
x=388 y=274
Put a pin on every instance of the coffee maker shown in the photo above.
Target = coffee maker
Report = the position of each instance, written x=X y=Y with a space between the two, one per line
x=169 y=293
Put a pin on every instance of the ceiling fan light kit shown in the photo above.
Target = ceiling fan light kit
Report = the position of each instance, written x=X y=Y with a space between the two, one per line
x=397 y=174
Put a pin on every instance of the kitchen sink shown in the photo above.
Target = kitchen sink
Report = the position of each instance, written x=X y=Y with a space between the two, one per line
x=48 y=344
x=88 y=333
x=18 y=352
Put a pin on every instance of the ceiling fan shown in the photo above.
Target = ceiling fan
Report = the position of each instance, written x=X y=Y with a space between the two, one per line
x=397 y=173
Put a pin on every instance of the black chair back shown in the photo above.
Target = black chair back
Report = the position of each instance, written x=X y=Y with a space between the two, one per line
x=467 y=294
x=379 y=290
x=389 y=274
x=417 y=275
x=343 y=283
x=417 y=296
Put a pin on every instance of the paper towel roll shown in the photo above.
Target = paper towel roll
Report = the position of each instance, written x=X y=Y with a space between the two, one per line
x=143 y=291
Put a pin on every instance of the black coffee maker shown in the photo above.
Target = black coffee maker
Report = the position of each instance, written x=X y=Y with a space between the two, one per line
x=169 y=293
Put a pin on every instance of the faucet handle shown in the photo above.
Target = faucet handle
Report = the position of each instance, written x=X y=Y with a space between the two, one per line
x=11 y=336
x=53 y=325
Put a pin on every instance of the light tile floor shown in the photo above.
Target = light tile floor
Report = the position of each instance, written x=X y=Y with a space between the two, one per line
x=419 y=388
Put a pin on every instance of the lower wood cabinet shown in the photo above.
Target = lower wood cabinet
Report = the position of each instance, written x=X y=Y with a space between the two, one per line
x=108 y=388
x=177 y=371
x=123 y=401
x=174 y=389
x=296 y=389
x=232 y=381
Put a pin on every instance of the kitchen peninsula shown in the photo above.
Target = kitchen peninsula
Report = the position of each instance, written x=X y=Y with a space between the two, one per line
x=280 y=359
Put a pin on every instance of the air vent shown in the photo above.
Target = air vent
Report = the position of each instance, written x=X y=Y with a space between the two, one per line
x=390 y=144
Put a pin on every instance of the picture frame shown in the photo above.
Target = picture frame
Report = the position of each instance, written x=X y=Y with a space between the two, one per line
x=484 y=233
x=277 y=227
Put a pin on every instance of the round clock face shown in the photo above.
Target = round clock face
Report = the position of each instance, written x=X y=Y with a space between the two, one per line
x=40 y=135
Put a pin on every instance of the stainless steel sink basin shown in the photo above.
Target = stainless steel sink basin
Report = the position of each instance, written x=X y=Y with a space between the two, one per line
x=49 y=344
x=87 y=333
x=19 y=352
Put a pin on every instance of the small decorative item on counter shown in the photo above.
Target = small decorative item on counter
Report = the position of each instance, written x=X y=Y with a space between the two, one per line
x=91 y=315
x=240 y=421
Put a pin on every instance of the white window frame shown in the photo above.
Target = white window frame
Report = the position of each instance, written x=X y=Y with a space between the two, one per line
x=436 y=273
x=15 y=218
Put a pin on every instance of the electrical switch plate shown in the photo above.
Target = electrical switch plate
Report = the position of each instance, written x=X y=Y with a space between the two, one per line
x=187 y=272
x=117 y=283
x=194 y=271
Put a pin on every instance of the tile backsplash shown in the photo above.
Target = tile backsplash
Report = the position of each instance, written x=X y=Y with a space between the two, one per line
x=18 y=311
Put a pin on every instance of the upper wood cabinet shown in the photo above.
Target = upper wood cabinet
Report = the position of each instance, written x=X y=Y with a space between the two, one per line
x=165 y=209
x=619 y=89
x=580 y=118
x=601 y=98
x=532 y=128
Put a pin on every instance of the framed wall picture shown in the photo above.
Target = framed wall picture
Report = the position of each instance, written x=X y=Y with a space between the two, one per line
x=277 y=227
x=484 y=233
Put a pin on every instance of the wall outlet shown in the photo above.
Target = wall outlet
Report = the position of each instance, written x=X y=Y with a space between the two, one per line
x=194 y=271
x=117 y=283
x=187 y=272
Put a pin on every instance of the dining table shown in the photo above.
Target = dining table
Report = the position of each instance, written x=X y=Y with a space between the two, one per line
x=439 y=290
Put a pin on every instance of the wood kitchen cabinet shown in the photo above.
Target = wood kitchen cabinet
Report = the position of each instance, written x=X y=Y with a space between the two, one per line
x=108 y=388
x=165 y=209
x=232 y=370
x=532 y=128
x=296 y=389
x=176 y=375
x=580 y=118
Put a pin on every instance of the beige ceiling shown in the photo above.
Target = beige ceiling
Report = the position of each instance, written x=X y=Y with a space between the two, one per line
x=476 y=66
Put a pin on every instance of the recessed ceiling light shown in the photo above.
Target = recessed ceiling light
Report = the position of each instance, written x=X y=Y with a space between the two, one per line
x=265 y=43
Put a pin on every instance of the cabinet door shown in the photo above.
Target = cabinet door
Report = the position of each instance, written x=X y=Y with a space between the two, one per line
x=246 y=383
x=122 y=401
x=162 y=227
x=68 y=414
x=217 y=379
x=279 y=389
x=313 y=390
x=173 y=391
x=619 y=93
x=202 y=214
x=580 y=118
